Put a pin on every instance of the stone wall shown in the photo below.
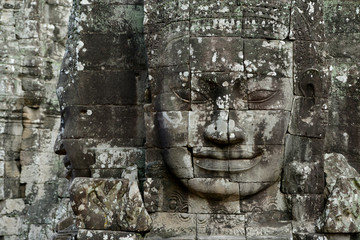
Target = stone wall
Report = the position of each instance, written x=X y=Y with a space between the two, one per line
x=102 y=90
x=33 y=190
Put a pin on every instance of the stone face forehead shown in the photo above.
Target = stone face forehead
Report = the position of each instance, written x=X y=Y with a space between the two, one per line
x=248 y=19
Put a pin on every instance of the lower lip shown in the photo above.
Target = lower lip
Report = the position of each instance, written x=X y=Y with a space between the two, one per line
x=231 y=165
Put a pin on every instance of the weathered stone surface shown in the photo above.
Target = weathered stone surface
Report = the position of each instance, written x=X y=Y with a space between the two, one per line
x=270 y=199
x=167 y=129
x=111 y=122
x=307 y=22
x=268 y=20
x=165 y=195
x=310 y=117
x=170 y=83
x=309 y=236
x=221 y=226
x=173 y=226
x=276 y=54
x=307 y=153
x=222 y=54
x=341 y=213
x=115 y=87
x=268 y=225
x=109 y=204
x=213 y=196
x=311 y=69
x=100 y=235
x=307 y=207
x=175 y=52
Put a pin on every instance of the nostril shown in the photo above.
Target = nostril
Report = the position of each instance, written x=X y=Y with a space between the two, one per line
x=236 y=137
x=217 y=133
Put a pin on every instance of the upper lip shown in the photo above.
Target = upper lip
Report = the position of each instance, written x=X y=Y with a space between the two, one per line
x=227 y=154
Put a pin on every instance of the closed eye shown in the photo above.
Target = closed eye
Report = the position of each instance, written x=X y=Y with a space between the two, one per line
x=261 y=95
x=184 y=95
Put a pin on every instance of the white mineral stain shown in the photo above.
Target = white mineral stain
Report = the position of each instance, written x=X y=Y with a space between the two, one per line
x=214 y=57
x=342 y=79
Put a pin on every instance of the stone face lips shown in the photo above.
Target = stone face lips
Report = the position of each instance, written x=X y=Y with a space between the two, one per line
x=108 y=204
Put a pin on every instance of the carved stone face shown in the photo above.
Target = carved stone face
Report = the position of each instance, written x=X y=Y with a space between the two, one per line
x=222 y=119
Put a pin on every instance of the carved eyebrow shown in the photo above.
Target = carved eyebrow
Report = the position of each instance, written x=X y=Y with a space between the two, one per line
x=261 y=95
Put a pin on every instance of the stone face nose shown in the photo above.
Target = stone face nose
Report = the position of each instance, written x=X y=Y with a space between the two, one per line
x=223 y=131
x=59 y=146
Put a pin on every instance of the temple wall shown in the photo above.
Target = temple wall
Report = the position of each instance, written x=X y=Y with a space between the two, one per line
x=33 y=190
x=110 y=73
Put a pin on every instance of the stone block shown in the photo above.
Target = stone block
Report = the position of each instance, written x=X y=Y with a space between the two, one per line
x=213 y=196
x=270 y=199
x=269 y=93
x=307 y=20
x=10 y=225
x=309 y=236
x=111 y=122
x=309 y=117
x=179 y=161
x=217 y=26
x=30 y=139
x=85 y=234
x=268 y=225
x=167 y=129
x=155 y=165
x=12 y=206
x=221 y=54
x=341 y=17
x=96 y=51
x=2 y=189
x=268 y=20
x=170 y=88
x=220 y=226
x=39 y=213
x=207 y=129
x=43 y=168
x=109 y=204
x=307 y=207
x=165 y=195
x=104 y=88
x=340 y=138
x=78 y=153
x=176 y=50
x=119 y=18
x=113 y=2
x=261 y=127
x=105 y=173
x=268 y=57
x=303 y=149
x=265 y=169
x=109 y=158
x=311 y=69
x=172 y=226
x=337 y=166
x=341 y=213
x=304 y=177
x=215 y=19
x=218 y=91
x=345 y=79
x=161 y=12
x=2 y=169
x=11 y=188
x=12 y=169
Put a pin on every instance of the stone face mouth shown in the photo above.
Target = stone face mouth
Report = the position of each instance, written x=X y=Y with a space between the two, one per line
x=228 y=160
